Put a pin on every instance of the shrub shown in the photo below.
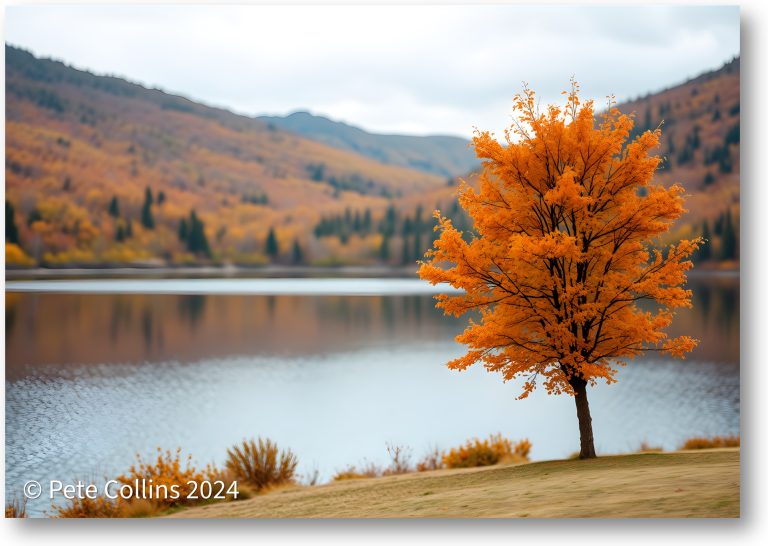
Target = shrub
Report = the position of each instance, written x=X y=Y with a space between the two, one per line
x=139 y=508
x=370 y=470
x=433 y=460
x=16 y=508
x=165 y=472
x=699 y=442
x=493 y=450
x=168 y=472
x=261 y=464
x=100 y=507
x=646 y=447
x=400 y=457
x=311 y=478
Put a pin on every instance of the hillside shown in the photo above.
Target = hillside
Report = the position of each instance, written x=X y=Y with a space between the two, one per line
x=102 y=171
x=445 y=156
x=650 y=485
x=700 y=122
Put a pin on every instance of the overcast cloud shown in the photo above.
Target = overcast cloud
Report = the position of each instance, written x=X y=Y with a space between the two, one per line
x=397 y=69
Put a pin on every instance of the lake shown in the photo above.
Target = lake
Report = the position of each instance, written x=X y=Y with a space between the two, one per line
x=335 y=369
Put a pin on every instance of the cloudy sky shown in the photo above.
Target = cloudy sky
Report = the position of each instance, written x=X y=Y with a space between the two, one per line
x=400 y=69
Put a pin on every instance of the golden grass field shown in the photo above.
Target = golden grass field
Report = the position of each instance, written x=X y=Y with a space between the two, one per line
x=703 y=483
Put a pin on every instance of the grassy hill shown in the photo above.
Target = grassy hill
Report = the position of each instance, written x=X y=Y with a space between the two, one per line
x=100 y=171
x=648 y=485
x=445 y=156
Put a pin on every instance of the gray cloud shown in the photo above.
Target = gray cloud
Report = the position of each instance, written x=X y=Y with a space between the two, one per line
x=415 y=69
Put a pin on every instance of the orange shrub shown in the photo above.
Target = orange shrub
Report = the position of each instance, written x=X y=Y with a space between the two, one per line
x=493 y=450
x=16 y=508
x=14 y=255
x=100 y=507
x=698 y=442
x=166 y=472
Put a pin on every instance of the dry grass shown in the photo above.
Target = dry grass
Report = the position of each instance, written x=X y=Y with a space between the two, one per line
x=399 y=460
x=683 y=484
x=353 y=472
x=698 y=442
x=647 y=447
x=433 y=460
x=261 y=464
x=100 y=507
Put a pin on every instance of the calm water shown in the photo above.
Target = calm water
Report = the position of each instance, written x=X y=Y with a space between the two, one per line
x=334 y=369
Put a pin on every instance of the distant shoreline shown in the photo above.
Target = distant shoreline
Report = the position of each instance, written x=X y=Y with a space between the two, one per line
x=270 y=271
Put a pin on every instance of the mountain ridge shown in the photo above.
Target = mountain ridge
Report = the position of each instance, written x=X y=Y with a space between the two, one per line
x=102 y=170
x=445 y=155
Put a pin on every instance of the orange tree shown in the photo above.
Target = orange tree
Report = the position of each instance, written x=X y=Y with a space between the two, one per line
x=566 y=243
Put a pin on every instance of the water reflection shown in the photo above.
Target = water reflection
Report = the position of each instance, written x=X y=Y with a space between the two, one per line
x=93 y=378
x=44 y=330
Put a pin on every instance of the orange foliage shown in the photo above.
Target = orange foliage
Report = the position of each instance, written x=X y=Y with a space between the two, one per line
x=168 y=472
x=14 y=255
x=493 y=450
x=85 y=507
x=563 y=249
x=710 y=443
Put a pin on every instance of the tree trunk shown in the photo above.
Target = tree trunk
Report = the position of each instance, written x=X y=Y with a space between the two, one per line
x=585 y=419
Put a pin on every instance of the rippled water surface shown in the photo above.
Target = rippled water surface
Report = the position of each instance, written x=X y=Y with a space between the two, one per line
x=334 y=370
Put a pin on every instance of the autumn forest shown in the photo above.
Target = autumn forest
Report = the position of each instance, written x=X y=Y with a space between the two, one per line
x=103 y=172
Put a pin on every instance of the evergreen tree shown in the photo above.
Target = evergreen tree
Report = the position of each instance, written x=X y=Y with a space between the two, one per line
x=705 y=250
x=11 y=230
x=417 y=250
x=183 y=230
x=197 y=242
x=271 y=246
x=407 y=227
x=147 y=220
x=357 y=224
x=384 y=249
x=418 y=223
x=298 y=254
x=728 y=248
x=114 y=207
x=367 y=221
x=406 y=252
x=390 y=218
x=120 y=233
x=160 y=197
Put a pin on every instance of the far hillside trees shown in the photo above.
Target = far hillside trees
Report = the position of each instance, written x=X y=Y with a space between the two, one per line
x=11 y=231
x=147 y=219
x=272 y=247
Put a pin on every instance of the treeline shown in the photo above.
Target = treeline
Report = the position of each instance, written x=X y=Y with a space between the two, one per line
x=721 y=241
x=353 y=182
x=82 y=233
x=405 y=237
